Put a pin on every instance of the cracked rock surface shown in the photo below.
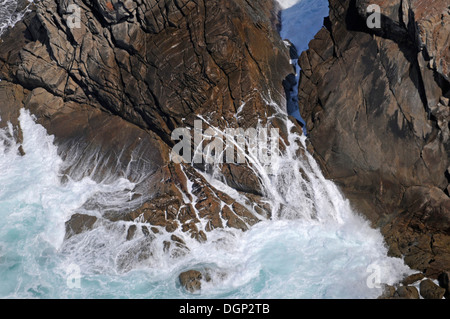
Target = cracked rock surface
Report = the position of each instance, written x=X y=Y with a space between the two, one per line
x=374 y=101
x=112 y=83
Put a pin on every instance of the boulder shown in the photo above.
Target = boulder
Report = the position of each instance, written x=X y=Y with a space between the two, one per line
x=388 y=292
x=145 y=231
x=444 y=101
x=445 y=283
x=412 y=279
x=191 y=280
x=79 y=223
x=407 y=292
x=370 y=100
x=429 y=290
x=131 y=232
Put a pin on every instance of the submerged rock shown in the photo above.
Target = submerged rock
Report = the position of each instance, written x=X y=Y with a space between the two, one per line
x=191 y=280
x=131 y=231
x=79 y=223
x=176 y=247
x=140 y=252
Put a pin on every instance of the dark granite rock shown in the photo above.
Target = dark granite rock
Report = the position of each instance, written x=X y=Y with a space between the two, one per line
x=79 y=223
x=429 y=290
x=412 y=279
x=444 y=282
x=370 y=101
x=191 y=280
x=407 y=292
x=114 y=87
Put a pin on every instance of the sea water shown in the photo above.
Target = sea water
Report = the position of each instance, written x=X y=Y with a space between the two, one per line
x=315 y=246
x=300 y=21
x=11 y=13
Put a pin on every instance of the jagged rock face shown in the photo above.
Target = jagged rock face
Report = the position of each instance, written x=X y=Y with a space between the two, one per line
x=428 y=24
x=156 y=64
x=121 y=78
x=371 y=101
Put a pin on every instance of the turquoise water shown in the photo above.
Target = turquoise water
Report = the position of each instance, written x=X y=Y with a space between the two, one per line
x=10 y=13
x=289 y=257
x=316 y=246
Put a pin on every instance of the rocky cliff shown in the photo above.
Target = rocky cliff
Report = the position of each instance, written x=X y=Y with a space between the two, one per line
x=375 y=101
x=111 y=80
x=112 y=89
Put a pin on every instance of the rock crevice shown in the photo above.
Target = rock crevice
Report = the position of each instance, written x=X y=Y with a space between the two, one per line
x=371 y=102
x=112 y=89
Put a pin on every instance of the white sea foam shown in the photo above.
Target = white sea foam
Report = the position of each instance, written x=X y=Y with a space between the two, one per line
x=34 y=205
x=315 y=246
x=10 y=14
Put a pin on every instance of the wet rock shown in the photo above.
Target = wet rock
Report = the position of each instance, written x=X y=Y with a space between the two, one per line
x=140 y=252
x=22 y=5
x=412 y=279
x=444 y=100
x=242 y=178
x=178 y=240
x=78 y=224
x=233 y=220
x=370 y=126
x=388 y=292
x=407 y=292
x=131 y=232
x=113 y=89
x=429 y=290
x=169 y=209
x=445 y=283
x=191 y=280
x=145 y=231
